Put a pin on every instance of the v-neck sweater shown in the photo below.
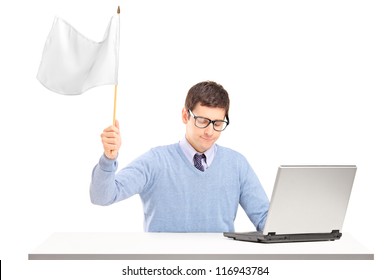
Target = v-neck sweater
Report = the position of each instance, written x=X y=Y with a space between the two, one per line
x=177 y=197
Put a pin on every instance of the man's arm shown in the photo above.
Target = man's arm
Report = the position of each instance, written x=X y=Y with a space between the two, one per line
x=253 y=198
x=108 y=186
x=103 y=185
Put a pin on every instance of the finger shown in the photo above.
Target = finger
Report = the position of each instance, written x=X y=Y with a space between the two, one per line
x=109 y=134
x=111 y=129
x=110 y=143
x=110 y=140
x=114 y=127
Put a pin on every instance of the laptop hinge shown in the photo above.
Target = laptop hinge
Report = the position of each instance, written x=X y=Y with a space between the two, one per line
x=336 y=233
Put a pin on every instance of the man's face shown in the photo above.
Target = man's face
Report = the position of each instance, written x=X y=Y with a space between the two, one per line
x=201 y=139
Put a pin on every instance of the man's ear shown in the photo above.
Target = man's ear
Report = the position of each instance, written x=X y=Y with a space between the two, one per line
x=184 y=115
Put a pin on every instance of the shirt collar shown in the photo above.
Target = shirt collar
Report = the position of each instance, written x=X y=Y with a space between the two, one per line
x=189 y=151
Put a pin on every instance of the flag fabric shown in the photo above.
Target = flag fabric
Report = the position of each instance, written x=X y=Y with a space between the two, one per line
x=71 y=63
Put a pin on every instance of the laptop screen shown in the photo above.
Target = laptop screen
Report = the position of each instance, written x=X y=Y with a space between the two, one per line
x=309 y=199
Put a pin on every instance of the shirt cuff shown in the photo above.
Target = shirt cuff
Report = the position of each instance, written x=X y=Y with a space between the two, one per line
x=108 y=165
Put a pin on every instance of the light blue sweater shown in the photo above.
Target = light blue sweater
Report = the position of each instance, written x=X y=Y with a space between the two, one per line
x=177 y=197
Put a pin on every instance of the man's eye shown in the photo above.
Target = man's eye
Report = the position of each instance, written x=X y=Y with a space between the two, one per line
x=203 y=121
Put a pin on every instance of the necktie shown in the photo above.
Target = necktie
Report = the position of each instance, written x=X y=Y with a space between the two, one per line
x=198 y=161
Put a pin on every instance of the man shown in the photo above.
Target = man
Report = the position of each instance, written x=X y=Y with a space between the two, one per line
x=191 y=186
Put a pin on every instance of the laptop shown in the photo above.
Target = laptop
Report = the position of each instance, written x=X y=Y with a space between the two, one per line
x=308 y=203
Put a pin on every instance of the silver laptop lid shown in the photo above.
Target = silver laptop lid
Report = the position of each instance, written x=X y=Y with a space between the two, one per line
x=309 y=199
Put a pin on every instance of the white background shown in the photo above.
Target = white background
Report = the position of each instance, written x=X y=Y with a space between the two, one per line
x=308 y=82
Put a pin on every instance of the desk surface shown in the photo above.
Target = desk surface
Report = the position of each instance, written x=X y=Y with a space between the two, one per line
x=189 y=246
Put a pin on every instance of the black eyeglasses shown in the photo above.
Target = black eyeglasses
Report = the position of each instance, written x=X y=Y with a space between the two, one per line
x=202 y=122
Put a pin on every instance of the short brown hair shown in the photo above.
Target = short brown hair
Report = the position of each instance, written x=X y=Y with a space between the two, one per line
x=208 y=94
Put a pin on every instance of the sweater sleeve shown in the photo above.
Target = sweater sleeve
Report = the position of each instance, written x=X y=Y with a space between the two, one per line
x=108 y=186
x=253 y=198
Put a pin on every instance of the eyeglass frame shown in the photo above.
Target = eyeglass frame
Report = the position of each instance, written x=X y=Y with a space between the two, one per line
x=210 y=121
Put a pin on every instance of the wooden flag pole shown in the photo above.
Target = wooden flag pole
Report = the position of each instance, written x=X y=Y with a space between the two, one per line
x=115 y=91
x=118 y=11
x=115 y=94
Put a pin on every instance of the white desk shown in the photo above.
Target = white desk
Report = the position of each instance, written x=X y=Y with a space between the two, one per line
x=189 y=246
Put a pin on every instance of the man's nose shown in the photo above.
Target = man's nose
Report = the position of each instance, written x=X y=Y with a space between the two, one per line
x=209 y=130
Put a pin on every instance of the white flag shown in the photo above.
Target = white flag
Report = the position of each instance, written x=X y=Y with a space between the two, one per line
x=71 y=63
